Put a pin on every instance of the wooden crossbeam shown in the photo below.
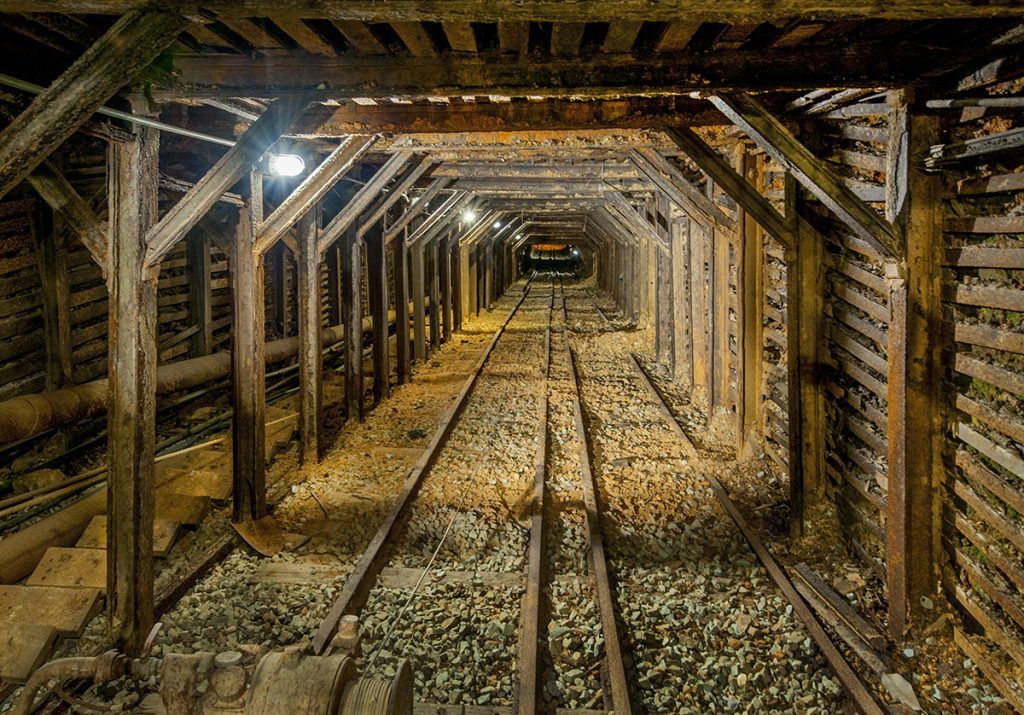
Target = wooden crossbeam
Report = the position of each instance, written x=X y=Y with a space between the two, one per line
x=361 y=201
x=725 y=11
x=617 y=204
x=129 y=45
x=206 y=75
x=228 y=170
x=812 y=173
x=675 y=186
x=307 y=194
x=615 y=226
x=715 y=166
x=414 y=173
x=65 y=202
x=416 y=208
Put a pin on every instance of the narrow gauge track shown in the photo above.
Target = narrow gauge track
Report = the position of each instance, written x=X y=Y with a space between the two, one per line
x=704 y=628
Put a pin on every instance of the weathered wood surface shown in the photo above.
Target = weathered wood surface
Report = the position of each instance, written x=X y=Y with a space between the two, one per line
x=71 y=568
x=775 y=139
x=403 y=346
x=726 y=11
x=131 y=419
x=352 y=302
x=23 y=648
x=130 y=44
x=66 y=610
x=310 y=356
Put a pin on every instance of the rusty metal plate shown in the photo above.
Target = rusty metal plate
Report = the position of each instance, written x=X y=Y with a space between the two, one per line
x=68 y=610
x=71 y=568
x=267 y=537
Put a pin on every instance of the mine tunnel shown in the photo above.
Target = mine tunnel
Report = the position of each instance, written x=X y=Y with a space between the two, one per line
x=511 y=357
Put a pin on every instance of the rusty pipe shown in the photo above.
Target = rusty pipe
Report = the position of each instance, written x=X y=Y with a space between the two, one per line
x=104 y=668
x=31 y=415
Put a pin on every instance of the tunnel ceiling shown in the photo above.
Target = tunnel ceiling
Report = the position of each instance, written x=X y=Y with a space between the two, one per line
x=539 y=119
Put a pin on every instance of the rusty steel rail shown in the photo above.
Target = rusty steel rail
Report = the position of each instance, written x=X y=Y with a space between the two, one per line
x=855 y=686
x=525 y=701
x=621 y=703
x=357 y=587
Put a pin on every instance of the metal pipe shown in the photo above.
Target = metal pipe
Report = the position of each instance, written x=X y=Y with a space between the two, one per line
x=24 y=86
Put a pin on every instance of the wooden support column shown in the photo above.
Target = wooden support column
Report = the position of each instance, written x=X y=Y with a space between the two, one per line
x=377 y=283
x=56 y=293
x=700 y=311
x=435 y=296
x=310 y=313
x=916 y=370
x=419 y=313
x=403 y=349
x=334 y=287
x=352 y=301
x=282 y=292
x=200 y=292
x=445 y=278
x=680 y=325
x=458 y=285
x=131 y=420
x=248 y=368
x=665 y=308
x=804 y=291
x=719 y=297
x=749 y=281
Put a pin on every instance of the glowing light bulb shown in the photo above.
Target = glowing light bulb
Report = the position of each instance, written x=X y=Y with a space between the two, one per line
x=285 y=165
x=469 y=215
x=497 y=224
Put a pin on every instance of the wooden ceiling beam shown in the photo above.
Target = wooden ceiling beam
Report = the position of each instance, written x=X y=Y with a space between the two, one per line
x=812 y=173
x=130 y=44
x=726 y=11
x=415 y=171
x=680 y=191
x=416 y=208
x=65 y=202
x=199 y=76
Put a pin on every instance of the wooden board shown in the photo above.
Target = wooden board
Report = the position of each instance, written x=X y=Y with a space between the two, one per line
x=23 y=648
x=71 y=568
x=67 y=610
x=202 y=483
x=182 y=508
x=164 y=534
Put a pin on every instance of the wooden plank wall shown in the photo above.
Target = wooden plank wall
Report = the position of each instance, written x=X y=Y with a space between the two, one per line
x=983 y=290
x=22 y=329
x=774 y=381
x=853 y=140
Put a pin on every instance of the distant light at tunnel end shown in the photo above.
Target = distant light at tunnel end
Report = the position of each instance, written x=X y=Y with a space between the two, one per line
x=285 y=165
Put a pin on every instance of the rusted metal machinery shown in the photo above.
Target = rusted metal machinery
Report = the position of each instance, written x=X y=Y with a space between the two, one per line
x=248 y=681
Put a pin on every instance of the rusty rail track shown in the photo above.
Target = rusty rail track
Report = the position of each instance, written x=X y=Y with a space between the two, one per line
x=362 y=578
x=616 y=669
x=855 y=686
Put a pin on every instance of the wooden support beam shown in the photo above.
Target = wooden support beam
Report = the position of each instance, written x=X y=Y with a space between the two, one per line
x=130 y=44
x=434 y=287
x=715 y=166
x=444 y=257
x=334 y=287
x=132 y=358
x=377 y=287
x=315 y=186
x=619 y=206
x=339 y=225
x=750 y=292
x=352 y=300
x=419 y=316
x=403 y=348
x=248 y=367
x=281 y=303
x=805 y=399
x=861 y=64
x=458 y=291
x=444 y=215
x=200 y=292
x=724 y=11
x=52 y=261
x=229 y=169
x=915 y=377
x=684 y=194
x=774 y=138
x=681 y=348
x=310 y=312
x=72 y=209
